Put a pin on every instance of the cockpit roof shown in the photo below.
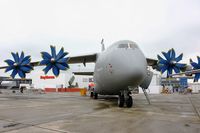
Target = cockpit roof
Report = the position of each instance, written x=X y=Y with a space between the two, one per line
x=124 y=44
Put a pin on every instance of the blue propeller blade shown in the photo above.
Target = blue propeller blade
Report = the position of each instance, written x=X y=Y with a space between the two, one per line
x=16 y=59
x=170 y=63
x=56 y=71
x=169 y=71
x=47 y=68
x=163 y=68
x=14 y=73
x=46 y=55
x=63 y=60
x=26 y=60
x=195 y=65
x=53 y=51
x=176 y=69
x=60 y=54
x=159 y=57
x=65 y=64
x=9 y=62
x=21 y=57
x=61 y=67
x=20 y=65
x=198 y=60
x=9 y=68
x=166 y=55
x=161 y=60
x=45 y=61
x=179 y=65
x=26 y=69
x=21 y=73
x=56 y=62
x=173 y=55
x=179 y=58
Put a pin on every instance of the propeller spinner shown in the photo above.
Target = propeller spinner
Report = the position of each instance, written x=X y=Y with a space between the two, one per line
x=170 y=63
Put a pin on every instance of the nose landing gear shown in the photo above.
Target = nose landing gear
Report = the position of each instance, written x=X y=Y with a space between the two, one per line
x=125 y=97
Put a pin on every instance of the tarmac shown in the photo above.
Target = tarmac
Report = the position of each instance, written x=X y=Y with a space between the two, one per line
x=72 y=113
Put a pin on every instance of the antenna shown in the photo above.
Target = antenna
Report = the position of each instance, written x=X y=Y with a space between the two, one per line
x=102 y=45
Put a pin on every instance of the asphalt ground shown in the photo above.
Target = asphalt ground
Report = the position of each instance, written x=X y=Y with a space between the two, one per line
x=33 y=112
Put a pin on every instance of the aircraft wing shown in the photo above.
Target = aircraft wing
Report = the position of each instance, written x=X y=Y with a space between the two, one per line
x=72 y=60
x=152 y=62
x=84 y=73
x=89 y=59
x=187 y=72
x=83 y=59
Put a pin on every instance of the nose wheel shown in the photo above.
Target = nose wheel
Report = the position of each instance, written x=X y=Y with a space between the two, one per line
x=125 y=98
x=129 y=102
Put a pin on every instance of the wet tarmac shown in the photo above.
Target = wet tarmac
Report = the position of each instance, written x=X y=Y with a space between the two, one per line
x=72 y=113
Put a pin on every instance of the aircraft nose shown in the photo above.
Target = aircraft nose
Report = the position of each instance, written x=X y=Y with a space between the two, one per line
x=134 y=74
x=130 y=73
x=133 y=69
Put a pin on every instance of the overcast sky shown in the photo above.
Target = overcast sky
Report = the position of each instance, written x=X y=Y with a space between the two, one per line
x=79 y=25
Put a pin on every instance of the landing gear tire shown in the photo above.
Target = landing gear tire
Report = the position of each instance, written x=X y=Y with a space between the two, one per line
x=121 y=101
x=129 y=102
x=95 y=95
x=91 y=94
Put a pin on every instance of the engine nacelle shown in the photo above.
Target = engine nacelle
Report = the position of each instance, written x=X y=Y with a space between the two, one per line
x=188 y=68
x=145 y=84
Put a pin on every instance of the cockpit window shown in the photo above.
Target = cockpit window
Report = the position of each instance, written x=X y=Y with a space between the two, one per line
x=123 y=46
x=129 y=45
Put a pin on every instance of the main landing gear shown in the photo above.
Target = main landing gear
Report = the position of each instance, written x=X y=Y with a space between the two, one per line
x=125 y=97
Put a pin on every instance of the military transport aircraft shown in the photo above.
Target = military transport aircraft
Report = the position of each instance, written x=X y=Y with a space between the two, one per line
x=118 y=69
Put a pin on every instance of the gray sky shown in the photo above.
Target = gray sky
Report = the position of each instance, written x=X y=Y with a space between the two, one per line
x=79 y=25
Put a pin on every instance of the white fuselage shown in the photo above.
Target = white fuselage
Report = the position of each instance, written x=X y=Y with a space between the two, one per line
x=121 y=65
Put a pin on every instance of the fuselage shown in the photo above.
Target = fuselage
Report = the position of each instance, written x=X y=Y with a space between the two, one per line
x=121 y=65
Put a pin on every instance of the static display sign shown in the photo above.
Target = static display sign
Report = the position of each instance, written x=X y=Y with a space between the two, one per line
x=47 y=77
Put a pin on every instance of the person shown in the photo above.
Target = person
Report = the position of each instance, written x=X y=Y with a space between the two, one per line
x=91 y=89
x=22 y=89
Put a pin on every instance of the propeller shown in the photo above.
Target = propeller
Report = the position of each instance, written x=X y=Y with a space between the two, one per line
x=56 y=62
x=196 y=66
x=20 y=65
x=170 y=63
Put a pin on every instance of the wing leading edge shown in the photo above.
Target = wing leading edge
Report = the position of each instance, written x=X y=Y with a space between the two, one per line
x=84 y=73
x=152 y=62
x=90 y=58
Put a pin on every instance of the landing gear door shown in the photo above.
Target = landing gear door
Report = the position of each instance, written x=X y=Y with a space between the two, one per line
x=145 y=84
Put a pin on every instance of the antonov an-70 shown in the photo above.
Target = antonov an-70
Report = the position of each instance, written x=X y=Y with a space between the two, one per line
x=118 y=69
